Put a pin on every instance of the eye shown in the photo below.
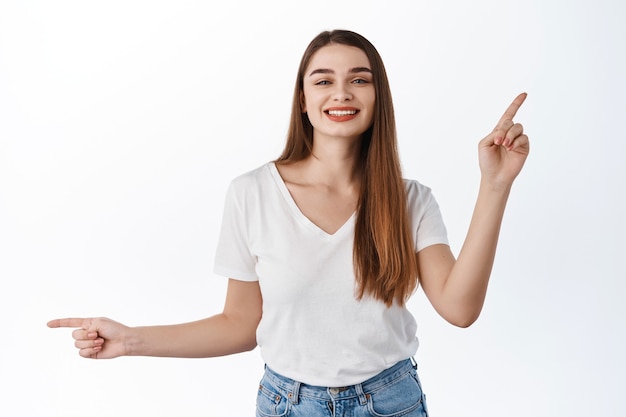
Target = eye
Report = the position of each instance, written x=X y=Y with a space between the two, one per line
x=322 y=82
x=360 y=81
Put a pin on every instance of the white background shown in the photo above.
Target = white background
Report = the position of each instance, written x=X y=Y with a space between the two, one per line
x=122 y=123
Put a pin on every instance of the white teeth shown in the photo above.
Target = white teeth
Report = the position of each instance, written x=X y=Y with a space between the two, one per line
x=341 y=112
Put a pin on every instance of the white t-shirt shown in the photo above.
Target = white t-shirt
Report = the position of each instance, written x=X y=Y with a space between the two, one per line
x=313 y=328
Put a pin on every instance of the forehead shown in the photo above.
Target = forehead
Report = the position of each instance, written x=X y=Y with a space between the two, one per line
x=338 y=57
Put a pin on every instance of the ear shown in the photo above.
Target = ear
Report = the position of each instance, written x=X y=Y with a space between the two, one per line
x=302 y=102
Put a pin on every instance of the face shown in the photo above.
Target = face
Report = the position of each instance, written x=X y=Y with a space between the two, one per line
x=338 y=92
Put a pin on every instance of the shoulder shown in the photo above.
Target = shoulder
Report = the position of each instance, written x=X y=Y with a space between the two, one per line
x=416 y=190
x=253 y=187
x=253 y=179
x=420 y=199
x=255 y=175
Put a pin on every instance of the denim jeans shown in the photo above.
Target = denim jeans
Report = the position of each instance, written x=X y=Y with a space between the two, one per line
x=394 y=392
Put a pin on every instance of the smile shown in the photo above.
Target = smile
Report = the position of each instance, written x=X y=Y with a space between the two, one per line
x=341 y=112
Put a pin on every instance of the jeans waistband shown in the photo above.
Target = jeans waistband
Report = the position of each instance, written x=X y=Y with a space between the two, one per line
x=297 y=389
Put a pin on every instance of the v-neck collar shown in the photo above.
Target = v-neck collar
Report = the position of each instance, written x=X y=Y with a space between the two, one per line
x=297 y=213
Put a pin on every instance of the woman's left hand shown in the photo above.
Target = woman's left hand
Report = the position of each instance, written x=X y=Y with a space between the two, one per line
x=502 y=153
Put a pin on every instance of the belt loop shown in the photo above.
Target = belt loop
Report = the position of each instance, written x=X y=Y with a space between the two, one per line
x=294 y=395
x=361 y=394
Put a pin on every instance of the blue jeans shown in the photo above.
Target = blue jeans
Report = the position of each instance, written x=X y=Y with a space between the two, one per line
x=394 y=392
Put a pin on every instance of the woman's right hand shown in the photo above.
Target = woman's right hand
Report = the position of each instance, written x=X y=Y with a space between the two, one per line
x=96 y=338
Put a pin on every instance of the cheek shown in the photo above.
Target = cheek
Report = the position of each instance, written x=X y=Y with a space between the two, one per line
x=372 y=99
x=372 y=107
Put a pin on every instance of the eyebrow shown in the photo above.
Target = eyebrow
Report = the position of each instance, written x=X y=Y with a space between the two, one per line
x=329 y=71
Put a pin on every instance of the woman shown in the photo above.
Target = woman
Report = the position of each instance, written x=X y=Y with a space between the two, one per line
x=324 y=246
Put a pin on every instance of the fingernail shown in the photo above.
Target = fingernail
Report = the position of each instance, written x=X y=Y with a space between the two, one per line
x=498 y=140
x=97 y=348
x=92 y=334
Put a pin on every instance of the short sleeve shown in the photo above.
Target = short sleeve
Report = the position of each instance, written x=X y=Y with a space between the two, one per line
x=233 y=257
x=427 y=222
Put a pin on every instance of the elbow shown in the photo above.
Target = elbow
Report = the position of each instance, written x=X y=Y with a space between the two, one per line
x=464 y=324
x=249 y=346
x=248 y=340
x=240 y=345
x=464 y=320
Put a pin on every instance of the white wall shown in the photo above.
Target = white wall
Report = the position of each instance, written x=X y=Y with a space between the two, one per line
x=121 y=124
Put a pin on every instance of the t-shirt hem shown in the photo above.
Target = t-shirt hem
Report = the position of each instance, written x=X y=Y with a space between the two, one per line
x=432 y=241
x=234 y=274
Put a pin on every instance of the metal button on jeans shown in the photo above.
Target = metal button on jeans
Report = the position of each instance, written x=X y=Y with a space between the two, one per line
x=335 y=391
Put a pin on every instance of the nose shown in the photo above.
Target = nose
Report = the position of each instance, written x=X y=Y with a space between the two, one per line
x=342 y=92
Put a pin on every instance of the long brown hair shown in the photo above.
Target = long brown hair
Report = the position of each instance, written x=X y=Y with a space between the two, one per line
x=384 y=255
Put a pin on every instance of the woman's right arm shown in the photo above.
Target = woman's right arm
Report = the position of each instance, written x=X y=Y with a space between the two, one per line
x=232 y=331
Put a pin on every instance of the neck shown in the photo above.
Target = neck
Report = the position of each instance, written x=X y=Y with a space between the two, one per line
x=335 y=161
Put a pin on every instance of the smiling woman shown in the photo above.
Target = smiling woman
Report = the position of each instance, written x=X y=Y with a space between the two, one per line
x=324 y=246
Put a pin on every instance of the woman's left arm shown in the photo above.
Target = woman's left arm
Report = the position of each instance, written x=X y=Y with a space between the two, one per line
x=457 y=288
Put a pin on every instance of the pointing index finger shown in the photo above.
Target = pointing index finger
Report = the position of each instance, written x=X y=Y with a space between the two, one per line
x=512 y=109
x=69 y=322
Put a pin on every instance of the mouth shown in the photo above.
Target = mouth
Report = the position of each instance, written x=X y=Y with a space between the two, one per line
x=341 y=112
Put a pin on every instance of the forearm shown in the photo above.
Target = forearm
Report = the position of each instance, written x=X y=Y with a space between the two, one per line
x=218 y=335
x=466 y=285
